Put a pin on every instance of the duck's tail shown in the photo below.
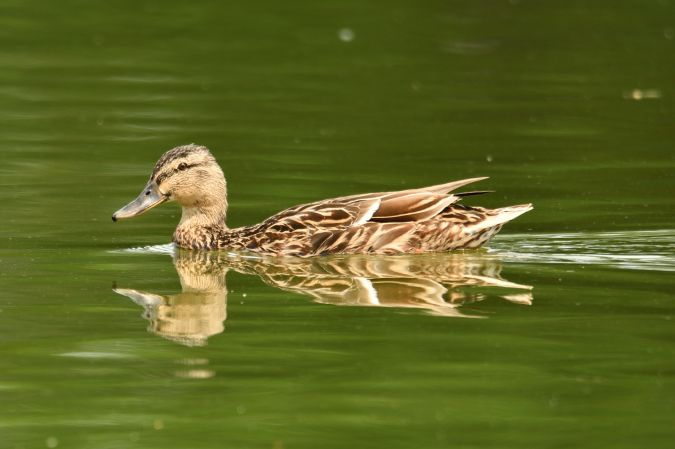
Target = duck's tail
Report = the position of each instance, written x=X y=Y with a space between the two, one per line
x=499 y=216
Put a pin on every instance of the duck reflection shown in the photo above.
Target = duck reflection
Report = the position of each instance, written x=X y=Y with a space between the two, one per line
x=195 y=314
x=439 y=284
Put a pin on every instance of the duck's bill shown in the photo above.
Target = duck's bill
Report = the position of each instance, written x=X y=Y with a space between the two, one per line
x=149 y=197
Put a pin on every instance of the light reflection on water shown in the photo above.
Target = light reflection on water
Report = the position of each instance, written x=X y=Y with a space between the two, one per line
x=578 y=123
x=635 y=250
x=438 y=284
x=632 y=250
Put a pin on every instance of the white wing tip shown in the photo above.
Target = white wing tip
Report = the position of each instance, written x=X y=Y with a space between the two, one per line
x=368 y=214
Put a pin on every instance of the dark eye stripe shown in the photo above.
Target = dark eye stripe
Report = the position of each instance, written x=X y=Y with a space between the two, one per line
x=182 y=167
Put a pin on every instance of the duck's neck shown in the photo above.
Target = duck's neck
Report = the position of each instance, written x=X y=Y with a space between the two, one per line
x=204 y=209
x=200 y=226
x=200 y=216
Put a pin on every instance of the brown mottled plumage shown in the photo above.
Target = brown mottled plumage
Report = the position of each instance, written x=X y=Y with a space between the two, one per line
x=427 y=219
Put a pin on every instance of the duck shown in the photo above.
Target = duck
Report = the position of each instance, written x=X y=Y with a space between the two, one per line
x=418 y=220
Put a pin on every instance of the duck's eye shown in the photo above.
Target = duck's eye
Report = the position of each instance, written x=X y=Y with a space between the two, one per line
x=182 y=166
x=147 y=193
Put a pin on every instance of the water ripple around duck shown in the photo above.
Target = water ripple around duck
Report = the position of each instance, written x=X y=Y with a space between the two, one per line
x=652 y=250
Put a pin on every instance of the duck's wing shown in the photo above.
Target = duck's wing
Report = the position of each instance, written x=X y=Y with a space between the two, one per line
x=376 y=221
x=409 y=205
x=438 y=189
x=413 y=204
x=323 y=214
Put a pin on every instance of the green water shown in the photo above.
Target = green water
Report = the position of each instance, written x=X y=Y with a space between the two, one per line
x=558 y=335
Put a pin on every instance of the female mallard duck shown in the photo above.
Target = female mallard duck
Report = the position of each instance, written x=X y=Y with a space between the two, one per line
x=408 y=221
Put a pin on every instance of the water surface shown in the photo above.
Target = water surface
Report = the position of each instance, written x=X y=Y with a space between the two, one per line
x=557 y=335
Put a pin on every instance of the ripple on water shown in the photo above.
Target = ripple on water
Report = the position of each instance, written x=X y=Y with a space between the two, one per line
x=171 y=248
x=167 y=248
x=633 y=250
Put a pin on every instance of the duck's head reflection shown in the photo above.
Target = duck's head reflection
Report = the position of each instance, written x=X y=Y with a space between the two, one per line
x=438 y=284
x=195 y=314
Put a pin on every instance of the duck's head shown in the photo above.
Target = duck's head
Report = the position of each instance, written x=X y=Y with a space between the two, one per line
x=189 y=175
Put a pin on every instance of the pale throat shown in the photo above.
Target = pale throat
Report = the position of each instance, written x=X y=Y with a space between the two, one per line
x=212 y=215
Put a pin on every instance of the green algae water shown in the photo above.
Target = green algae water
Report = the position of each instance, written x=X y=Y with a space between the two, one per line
x=558 y=334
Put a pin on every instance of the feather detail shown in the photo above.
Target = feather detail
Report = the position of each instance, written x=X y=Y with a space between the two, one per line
x=367 y=209
x=408 y=221
x=412 y=206
x=475 y=192
x=498 y=217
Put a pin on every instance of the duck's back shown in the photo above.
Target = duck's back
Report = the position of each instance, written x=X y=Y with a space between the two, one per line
x=409 y=221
